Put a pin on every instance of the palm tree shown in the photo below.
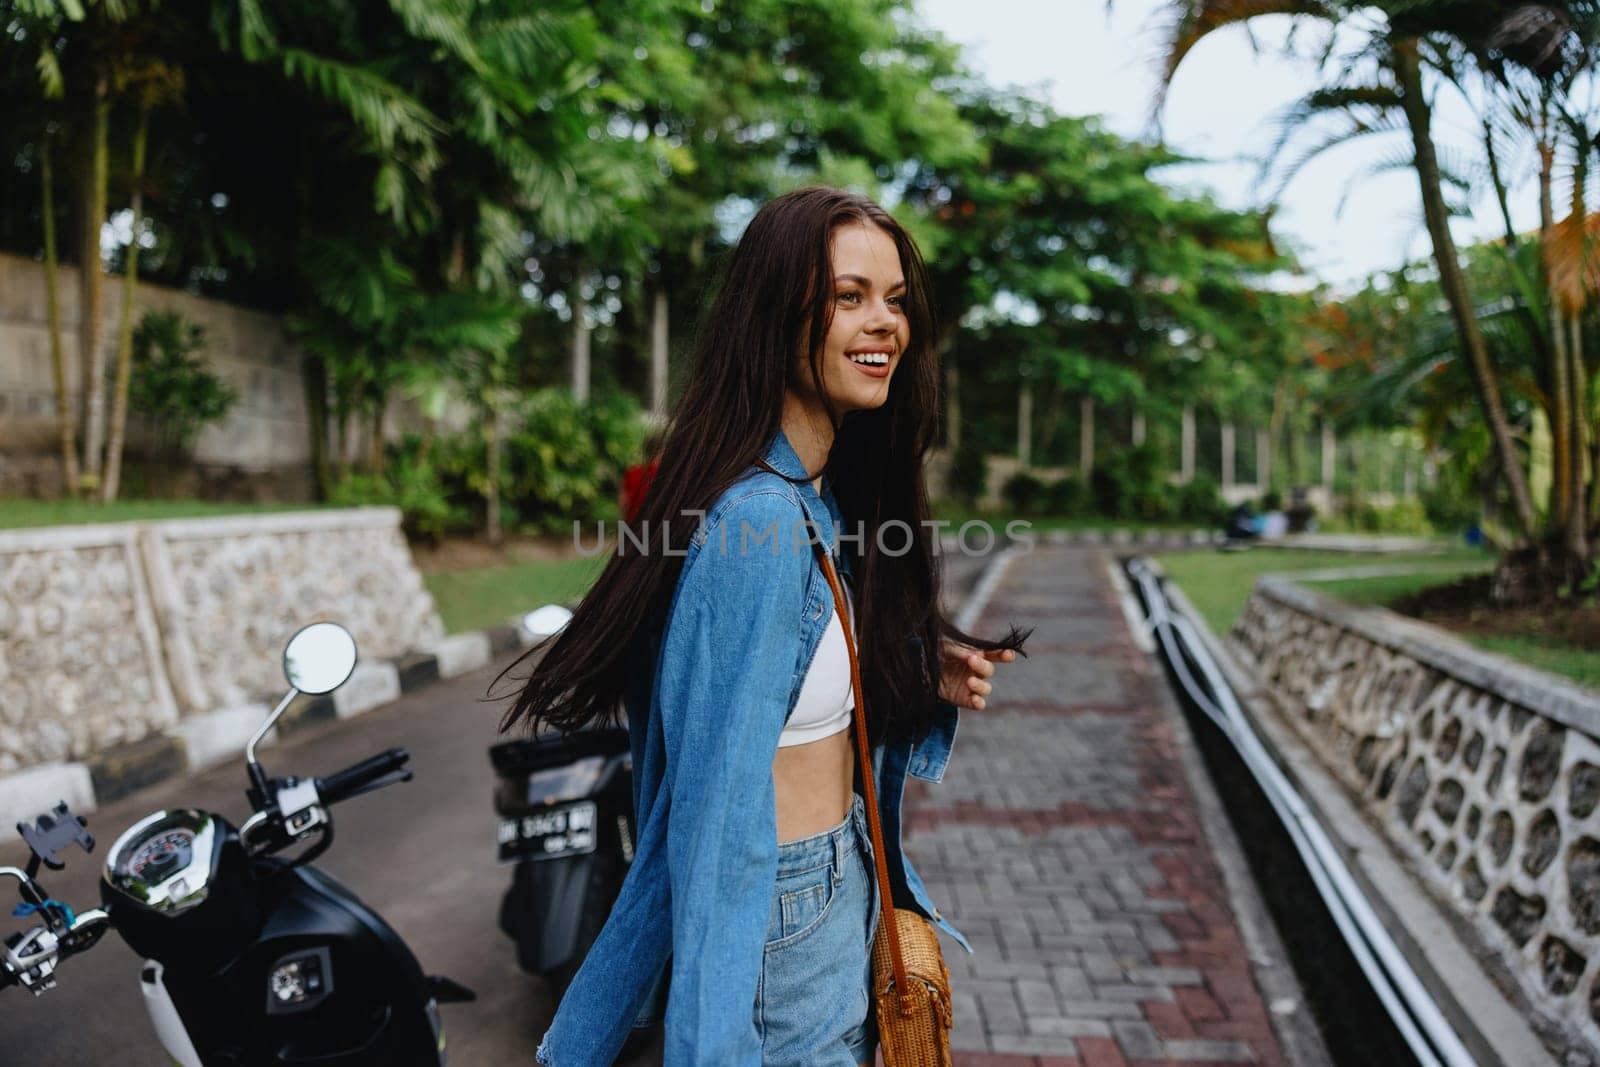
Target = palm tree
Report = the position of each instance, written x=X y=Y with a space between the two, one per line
x=1398 y=36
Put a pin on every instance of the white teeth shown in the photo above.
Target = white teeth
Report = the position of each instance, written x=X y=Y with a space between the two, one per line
x=876 y=359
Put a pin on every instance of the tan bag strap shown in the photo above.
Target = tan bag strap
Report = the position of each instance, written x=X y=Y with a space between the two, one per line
x=869 y=788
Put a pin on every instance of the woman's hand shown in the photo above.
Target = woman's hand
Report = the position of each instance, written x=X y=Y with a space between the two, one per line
x=965 y=672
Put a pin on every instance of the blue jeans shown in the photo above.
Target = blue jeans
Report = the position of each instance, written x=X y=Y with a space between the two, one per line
x=812 y=1007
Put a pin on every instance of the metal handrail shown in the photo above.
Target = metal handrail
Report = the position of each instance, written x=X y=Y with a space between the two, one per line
x=1418 y=1018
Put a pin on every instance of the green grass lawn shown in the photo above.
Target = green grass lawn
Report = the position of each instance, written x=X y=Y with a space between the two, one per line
x=21 y=513
x=1218 y=583
x=476 y=597
x=957 y=515
x=1581 y=665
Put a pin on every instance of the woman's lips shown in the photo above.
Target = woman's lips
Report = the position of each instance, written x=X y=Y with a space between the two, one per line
x=873 y=370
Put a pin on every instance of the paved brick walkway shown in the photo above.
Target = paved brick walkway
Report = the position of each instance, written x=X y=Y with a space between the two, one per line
x=1067 y=843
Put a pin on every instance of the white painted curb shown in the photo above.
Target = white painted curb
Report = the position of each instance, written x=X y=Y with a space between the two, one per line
x=371 y=685
x=462 y=653
x=30 y=792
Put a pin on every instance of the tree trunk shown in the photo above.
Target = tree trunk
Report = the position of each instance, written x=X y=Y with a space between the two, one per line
x=1497 y=180
x=1025 y=425
x=1575 y=528
x=375 y=435
x=580 y=344
x=1186 y=457
x=314 y=375
x=1086 y=437
x=491 y=486
x=130 y=285
x=65 y=428
x=659 y=369
x=952 y=407
x=1408 y=69
x=1229 y=455
x=1559 y=390
x=91 y=215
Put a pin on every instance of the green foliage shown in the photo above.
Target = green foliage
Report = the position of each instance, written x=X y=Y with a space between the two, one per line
x=1449 y=506
x=564 y=462
x=1402 y=517
x=1068 y=497
x=170 y=384
x=969 y=470
x=1026 y=493
x=561 y=463
x=1199 y=501
x=1131 y=483
x=410 y=483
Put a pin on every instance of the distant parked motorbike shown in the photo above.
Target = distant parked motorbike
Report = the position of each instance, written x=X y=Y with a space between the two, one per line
x=251 y=957
x=564 y=807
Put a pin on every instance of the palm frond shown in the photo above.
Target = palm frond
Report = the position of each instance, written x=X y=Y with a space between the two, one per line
x=430 y=20
x=384 y=111
x=1197 y=19
x=51 y=81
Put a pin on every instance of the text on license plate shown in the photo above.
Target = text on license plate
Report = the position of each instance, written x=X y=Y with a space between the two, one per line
x=564 y=831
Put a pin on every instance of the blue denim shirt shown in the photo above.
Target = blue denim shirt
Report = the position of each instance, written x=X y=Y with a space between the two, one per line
x=747 y=616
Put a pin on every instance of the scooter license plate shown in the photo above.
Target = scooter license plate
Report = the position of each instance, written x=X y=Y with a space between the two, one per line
x=543 y=835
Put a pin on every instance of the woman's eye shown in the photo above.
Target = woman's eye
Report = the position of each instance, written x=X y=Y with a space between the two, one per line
x=898 y=301
x=849 y=296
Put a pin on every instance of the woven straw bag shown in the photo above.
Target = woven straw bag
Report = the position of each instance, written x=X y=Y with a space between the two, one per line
x=910 y=983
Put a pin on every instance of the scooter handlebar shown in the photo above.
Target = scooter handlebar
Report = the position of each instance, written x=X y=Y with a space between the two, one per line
x=341 y=785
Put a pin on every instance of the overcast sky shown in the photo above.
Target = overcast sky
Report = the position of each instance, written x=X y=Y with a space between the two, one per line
x=1222 y=107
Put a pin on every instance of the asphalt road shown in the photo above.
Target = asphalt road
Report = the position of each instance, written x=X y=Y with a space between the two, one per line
x=421 y=853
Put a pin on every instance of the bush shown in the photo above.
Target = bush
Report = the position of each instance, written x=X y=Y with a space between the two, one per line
x=1131 y=483
x=170 y=384
x=1199 y=501
x=1025 y=493
x=1068 y=496
x=564 y=462
x=560 y=461
x=1403 y=517
x=969 y=470
x=1450 y=504
x=413 y=486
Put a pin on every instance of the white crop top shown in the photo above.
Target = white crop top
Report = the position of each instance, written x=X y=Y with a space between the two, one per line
x=826 y=697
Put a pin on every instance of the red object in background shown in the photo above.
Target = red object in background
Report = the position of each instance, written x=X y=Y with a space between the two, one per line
x=635 y=484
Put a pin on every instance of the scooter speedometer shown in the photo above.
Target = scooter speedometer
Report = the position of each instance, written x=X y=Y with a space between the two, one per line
x=165 y=860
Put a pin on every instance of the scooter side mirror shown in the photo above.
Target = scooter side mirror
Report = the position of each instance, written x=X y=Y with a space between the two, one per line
x=319 y=658
x=545 y=621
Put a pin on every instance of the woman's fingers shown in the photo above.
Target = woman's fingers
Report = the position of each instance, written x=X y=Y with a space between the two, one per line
x=979 y=686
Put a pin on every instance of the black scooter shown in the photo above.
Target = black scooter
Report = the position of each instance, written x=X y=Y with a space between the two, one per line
x=564 y=808
x=251 y=958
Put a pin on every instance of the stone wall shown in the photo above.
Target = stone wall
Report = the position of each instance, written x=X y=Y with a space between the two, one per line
x=264 y=434
x=260 y=451
x=111 y=634
x=1484 y=773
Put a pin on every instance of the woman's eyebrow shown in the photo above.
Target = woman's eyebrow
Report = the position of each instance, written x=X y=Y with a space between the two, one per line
x=865 y=284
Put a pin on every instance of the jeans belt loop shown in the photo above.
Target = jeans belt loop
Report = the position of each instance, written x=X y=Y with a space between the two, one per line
x=845 y=832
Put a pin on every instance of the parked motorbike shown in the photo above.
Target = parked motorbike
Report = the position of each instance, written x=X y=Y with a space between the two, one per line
x=564 y=807
x=252 y=956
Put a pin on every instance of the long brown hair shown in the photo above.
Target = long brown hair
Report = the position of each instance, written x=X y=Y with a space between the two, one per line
x=776 y=287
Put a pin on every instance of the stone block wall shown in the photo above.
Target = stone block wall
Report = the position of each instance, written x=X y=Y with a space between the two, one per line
x=1484 y=773
x=113 y=634
x=80 y=656
x=265 y=432
x=260 y=451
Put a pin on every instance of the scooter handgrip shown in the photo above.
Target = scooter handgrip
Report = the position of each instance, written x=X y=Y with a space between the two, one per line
x=341 y=784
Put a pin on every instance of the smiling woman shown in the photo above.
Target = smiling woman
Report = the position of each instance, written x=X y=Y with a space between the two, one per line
x=763 y=861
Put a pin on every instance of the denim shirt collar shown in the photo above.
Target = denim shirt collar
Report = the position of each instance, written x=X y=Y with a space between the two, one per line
x=821 y=508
